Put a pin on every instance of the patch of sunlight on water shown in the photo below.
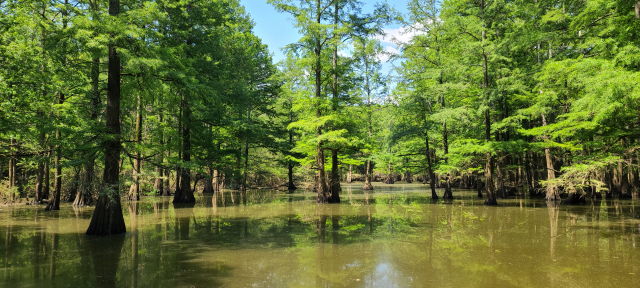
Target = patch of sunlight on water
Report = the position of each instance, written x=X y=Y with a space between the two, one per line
x=393 y=237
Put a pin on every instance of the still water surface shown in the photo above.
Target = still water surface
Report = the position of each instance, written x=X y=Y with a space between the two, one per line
x=393 y=237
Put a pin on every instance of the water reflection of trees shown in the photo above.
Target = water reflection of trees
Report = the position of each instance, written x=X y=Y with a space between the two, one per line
x=377 y=239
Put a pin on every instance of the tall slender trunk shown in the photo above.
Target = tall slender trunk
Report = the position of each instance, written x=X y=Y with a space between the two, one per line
x=624 y=180
x=552 y=191
x=178 y=167
x=445 y=131
x=448 y=192
x=167 y=175
x=245 y=167
x=83 y=196
x=12 y=163
x=637 y=9
x=74 y=185
x=39 y=179
x=291 y=186
x=12 y=166
x=490 y=159
x=321 y=180
x=634 y=179
x=54 y=201
x=527 y=173
x=85 y=191
x=367 y=82
x=216 y=180
x=430 y=173
x=237 y=172
x=158 y=184
x=134 y=190
x=176 y=181
x=489 y=165
x=208 y=183
x=367 y=176
x=185 y=194
x=107 y=217
x=335 y=178
x=479 y=185
x=46 y=185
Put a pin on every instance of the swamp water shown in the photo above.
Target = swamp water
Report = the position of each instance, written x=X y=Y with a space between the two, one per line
x=393 y=237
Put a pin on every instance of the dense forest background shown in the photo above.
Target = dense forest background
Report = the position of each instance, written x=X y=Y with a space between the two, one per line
x=125 y=98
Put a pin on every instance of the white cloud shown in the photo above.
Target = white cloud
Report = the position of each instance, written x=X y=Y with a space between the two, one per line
x=394 y=38
x=401 y=35
x=389 y=51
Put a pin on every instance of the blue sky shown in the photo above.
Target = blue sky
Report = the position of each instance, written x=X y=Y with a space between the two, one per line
x=277 y=30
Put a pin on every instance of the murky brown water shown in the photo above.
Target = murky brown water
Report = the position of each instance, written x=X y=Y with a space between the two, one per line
x=394 y=237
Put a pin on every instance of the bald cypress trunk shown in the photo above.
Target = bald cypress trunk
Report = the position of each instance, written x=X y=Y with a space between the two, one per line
x=176 y=182
x=367 y=176
x=552 y=192
x=245 y=155
x=335 y=178
x=54 y=200
x=12 y=166
x=367 y=82
x=430 y=173
x=134 y=190
x=216 y=182
x=46 y=182
x=321 y=181
x=208 y=182
x=158 y=184
x=490 y=159
x=184 y=194
x=448 y=192
x=489 y=165
x=86 y=187
x=291 y=186
x=107 y=217
x=39 y=180
x=443 y=102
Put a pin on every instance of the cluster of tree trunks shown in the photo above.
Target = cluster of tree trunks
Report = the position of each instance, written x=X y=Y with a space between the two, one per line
x=519 y=175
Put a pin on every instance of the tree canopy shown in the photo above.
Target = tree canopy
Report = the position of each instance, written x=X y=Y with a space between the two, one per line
x=181 y=97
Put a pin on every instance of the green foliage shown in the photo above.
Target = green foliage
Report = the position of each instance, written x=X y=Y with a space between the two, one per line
x=546 y=85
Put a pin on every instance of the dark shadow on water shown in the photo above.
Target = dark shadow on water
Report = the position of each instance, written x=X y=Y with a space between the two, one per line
x=104 y=253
